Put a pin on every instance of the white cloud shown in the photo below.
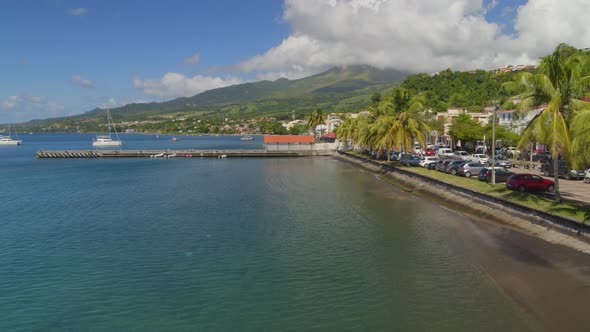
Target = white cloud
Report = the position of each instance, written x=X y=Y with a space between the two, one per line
x=193 y=59
x=85 y=83
x=112 y=102
x=78 y=11
x=178 y=85
x=421 y=36
x=24 y=107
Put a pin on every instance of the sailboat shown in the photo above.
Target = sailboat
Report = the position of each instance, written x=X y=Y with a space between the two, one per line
x=7 y=140
x=107 y=140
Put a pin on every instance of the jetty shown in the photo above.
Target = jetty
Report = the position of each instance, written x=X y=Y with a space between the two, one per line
x=60 y=154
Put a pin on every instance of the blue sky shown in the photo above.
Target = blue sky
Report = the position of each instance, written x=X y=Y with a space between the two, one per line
x=64 y=57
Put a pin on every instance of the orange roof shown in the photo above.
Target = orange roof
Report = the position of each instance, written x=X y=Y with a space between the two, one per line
x=288 y=139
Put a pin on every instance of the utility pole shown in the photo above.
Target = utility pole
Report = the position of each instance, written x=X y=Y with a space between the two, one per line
x=494 y=146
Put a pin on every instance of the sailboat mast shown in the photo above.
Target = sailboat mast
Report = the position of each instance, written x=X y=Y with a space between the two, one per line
x=111 y=123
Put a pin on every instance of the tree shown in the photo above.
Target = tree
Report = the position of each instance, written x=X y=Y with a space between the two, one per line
x=560 y=82
x=298 y=129
x=465 y=129
x=316 y=118
x=405 y=125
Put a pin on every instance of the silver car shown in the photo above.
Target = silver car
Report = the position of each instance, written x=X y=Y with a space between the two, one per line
x=499 y=161
x=470 y=168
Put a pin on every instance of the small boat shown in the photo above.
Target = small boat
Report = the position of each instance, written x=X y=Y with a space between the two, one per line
x=8 y=140
x=104 y=140
x=159 y=155
x=246 y=138
x=174 y=139
x=107 y=140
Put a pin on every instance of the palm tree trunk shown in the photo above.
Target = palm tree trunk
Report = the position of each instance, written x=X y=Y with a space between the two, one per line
x=556 y=179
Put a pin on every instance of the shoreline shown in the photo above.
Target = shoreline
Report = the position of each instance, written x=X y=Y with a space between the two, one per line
x=544 y=273
x=478 y=209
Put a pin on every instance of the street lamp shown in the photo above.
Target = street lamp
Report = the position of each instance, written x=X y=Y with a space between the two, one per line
x=494 y=146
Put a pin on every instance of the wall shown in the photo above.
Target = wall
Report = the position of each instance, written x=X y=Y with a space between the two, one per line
x=301 y=147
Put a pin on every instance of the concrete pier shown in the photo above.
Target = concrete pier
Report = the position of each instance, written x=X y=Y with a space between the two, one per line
x=57 y=154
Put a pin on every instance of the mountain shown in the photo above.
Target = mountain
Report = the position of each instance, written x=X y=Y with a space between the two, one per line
x=338 y=89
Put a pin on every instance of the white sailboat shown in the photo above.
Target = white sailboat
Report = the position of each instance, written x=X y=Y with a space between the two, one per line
x=107 y=140
x=7 y=140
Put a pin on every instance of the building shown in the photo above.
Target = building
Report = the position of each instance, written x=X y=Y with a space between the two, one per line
x=294 y=143
x=482 y=117
x=517 y=121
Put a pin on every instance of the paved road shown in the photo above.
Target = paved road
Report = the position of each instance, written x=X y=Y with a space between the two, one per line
x=570 y=189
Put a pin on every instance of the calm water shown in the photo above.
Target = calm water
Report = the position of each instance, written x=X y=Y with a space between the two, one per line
x=227 y=244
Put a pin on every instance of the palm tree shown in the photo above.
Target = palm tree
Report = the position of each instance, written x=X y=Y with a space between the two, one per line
x=316 y=118
x=345 y=131
x=401 y=123
x=559 y=83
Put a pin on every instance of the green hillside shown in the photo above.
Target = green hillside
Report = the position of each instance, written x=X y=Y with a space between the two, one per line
x=338 y=89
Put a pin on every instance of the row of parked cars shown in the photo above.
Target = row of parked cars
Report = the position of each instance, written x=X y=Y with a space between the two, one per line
x=475 y=166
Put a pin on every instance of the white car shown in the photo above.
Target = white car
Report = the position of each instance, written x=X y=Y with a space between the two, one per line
x=428 y=160
x=479 y=158
x=587 y=176
x=445 y=152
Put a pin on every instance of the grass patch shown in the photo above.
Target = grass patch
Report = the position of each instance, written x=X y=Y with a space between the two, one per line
x=527 y=199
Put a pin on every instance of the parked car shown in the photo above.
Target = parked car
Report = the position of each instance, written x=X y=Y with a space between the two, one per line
x=563 y=170
x=429 y=152
x=463 y=155
x=479 y=158
x=511 y=152
x=502 y=174
x=445 y=152
x=453 y=166
x=541 y=156
x=499 y=161
x=441 y=165
x=587 y=176
x=529 y=182
x=470 y=168
x=432 y=165
x=410 y=160
x=394 y=155
x=428 y=160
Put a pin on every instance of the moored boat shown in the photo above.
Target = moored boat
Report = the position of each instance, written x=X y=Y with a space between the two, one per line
x=8 y=140
x=107 y=140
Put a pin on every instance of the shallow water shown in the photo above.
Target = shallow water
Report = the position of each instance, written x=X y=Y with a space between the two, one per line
x=228 y=244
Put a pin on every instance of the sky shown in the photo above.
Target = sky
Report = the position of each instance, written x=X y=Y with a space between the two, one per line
x=66 y=57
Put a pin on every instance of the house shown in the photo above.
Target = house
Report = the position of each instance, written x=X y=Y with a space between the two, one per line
x=481 y=117
x=517 y=121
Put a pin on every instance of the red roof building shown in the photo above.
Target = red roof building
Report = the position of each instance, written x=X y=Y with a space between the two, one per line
x=293 y=139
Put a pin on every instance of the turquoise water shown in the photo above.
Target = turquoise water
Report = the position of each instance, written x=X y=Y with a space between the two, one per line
x=227 y=244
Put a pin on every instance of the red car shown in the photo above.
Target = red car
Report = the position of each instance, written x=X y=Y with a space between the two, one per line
x=429 y=152
x=532 y=182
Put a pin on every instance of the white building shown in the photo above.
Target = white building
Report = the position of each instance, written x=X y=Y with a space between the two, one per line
x=517 y=121
x=481 y=117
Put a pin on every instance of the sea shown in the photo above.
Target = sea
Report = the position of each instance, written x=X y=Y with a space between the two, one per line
x=235 y=244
